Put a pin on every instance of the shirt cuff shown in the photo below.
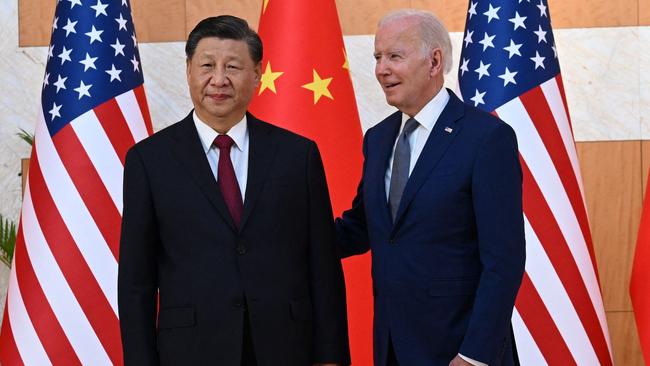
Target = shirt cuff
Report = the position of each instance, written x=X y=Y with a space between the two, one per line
x=473 y=362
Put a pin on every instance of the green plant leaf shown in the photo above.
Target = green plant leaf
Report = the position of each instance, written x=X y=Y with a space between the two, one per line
x=7 y=240
x=26 y=136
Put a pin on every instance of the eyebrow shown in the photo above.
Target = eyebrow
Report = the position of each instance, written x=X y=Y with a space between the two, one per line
x=399 y=50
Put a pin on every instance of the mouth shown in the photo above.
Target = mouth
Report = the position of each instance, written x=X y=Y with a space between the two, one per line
x=390 y=86
x=219 y=97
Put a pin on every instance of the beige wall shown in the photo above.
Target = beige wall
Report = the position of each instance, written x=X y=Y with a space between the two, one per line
x=614 y=172
x=171 y=20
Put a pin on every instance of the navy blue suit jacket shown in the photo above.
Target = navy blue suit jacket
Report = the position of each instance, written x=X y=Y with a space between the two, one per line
x=447 y=271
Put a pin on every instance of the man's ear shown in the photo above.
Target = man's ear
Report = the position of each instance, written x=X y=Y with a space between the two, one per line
x=188 y=62
x=258 y=72
x=436 y=61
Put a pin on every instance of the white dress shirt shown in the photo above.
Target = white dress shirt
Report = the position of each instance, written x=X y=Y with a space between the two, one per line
x=426 y=118
x=238 y=151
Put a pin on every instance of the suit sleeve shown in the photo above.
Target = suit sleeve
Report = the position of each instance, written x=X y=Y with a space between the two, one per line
x=351 y=227
x=137 y=276
x=497 y=200
x=326 y=275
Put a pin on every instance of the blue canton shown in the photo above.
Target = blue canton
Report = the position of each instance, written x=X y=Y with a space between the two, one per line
x=93 y=57
x=508 y=49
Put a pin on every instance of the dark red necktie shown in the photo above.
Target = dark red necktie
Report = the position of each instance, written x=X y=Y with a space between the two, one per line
x=227 y=179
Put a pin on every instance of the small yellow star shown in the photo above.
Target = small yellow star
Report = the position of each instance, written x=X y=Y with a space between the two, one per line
x=319 y=87
x=268 y=79
x=266 y=2
x=346 y=64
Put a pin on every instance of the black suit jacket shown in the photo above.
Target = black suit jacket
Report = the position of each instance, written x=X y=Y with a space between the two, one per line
x=179 y=243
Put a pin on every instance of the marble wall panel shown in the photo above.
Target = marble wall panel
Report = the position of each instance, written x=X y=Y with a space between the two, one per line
x=163 y=65
x=644 y=79
x=600 y=69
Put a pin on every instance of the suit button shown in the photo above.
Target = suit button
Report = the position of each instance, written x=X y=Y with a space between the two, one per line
x=391 y=241
x=241 y=247
x=240 y=304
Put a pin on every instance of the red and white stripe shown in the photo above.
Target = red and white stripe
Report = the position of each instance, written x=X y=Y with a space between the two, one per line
x=62 y=296
x=559 y=317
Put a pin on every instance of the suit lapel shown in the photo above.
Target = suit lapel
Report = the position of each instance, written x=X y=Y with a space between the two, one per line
x=383 y=143
x=190 y=154
x=261 y=152
x=434 y=149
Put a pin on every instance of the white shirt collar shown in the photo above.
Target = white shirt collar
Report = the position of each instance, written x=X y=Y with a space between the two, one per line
x=207 y=135
x=428 y=115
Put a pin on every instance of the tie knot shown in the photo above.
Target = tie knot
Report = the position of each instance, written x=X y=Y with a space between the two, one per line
x=223 y=142
x=410 y=126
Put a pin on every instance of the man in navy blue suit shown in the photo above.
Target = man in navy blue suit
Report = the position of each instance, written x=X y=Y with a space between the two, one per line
x=440 y=206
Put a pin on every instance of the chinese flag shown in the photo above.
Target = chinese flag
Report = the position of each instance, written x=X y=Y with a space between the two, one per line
x=640 y=282
x=306 y=88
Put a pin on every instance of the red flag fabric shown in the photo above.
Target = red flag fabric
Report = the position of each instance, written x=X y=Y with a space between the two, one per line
x=62 y=298
x=640 y=282
x=306 y=88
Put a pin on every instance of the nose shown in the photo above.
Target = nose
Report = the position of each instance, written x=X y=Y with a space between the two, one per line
x=219 y=77
x=381 y=67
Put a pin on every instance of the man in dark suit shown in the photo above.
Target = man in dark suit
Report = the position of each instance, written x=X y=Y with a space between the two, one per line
x=227 y=221
x=440 y=206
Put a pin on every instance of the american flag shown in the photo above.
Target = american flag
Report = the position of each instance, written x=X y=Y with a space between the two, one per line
x=509 y=67
x=62 y=298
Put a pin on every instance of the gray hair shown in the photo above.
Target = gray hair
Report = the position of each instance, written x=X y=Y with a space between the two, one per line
x=433 y=32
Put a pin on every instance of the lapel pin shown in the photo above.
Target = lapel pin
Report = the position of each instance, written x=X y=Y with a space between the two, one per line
x=448 y=129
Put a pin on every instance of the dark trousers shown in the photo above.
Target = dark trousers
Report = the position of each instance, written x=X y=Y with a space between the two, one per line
x=247 y=351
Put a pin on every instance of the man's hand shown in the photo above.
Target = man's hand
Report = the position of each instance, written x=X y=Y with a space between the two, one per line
x=457 y=361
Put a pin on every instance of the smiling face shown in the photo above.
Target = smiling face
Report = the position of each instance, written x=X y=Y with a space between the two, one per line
x=222 y=78
x=409 y=74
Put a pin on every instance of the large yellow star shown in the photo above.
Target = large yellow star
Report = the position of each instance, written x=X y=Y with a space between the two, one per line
x=319 y=87
x=266 y=3
x=346 y=64
x=268 y=79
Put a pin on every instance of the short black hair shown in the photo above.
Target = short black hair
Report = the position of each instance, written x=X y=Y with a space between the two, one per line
x=225 y=27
